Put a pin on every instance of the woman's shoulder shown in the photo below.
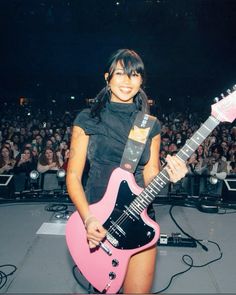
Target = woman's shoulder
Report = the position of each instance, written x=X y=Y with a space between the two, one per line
x=82 y=116
x=85 y=121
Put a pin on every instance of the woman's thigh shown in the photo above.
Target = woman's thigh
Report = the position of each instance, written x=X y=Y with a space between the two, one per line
x=140 y=272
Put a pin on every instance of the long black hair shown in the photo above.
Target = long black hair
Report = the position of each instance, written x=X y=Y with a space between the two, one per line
x=131 y=63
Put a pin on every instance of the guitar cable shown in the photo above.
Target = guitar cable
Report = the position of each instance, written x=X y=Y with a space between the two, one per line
x=187 y=257
x=184 y=232
x=4 y=276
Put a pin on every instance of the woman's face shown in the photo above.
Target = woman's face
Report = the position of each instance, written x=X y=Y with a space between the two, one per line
x=5 y=153
x=49 y=154
x=123 y=87
x=200 y=150
x=27 y=154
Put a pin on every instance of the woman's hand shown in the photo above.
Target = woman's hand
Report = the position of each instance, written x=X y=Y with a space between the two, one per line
x=95 y=231
x=7 y=167
x=52 y=165
x=176 y=168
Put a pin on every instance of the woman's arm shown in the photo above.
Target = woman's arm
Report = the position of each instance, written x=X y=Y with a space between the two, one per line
x=76 y=164
x=44 y=168
x=175 y=167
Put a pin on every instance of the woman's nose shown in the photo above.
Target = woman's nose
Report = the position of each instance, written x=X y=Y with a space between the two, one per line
x=126 y=78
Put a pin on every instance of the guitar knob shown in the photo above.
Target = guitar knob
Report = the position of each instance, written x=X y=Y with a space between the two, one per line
x=115 y=262
x=112 y=275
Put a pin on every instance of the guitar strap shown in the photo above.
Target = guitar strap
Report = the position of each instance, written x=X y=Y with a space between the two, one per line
x=136 y=142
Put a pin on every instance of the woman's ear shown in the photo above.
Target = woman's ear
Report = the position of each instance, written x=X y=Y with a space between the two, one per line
x=106 y=77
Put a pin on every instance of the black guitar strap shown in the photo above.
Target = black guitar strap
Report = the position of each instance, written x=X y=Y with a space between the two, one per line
x=137 y=139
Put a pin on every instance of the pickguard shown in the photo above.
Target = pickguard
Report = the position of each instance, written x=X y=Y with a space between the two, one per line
x=129 y=230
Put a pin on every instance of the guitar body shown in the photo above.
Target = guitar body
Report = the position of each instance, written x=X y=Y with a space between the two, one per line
x=127 y=234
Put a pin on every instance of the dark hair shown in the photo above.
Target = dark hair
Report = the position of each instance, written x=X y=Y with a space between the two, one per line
x=232 y=164
x=131 y=63
x=29 y=150
x=44 y=161
x=2 y=162
x=219 y=149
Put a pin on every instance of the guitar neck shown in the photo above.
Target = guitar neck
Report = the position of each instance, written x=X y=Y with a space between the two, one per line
x=148 y=195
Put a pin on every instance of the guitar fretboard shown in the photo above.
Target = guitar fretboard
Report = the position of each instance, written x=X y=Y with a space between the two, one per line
x=148 y=195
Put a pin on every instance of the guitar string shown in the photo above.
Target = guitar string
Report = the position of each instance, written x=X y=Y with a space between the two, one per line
x=126 y=215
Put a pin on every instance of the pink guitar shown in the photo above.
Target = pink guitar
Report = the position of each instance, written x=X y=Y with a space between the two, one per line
x=131 y=231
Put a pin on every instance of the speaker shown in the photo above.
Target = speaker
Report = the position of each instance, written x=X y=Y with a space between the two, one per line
x=229 y=189
x=6 y=186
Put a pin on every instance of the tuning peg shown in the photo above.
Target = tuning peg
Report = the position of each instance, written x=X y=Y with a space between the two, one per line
x=234 y=87
x=222 y=95
x=228 y=91
x=216 y=99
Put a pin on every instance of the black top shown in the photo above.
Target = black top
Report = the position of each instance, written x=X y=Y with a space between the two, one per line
x=107 y=143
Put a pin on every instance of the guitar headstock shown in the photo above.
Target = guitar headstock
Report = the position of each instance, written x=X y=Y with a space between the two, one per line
x=225 y=109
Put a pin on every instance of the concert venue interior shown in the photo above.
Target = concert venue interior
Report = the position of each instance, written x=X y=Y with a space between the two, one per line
x=52 y=58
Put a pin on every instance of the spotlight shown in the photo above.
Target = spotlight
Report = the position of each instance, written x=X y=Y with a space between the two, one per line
x=61 y=173
x=34 y=175
x=213 y=180
x=33 y=180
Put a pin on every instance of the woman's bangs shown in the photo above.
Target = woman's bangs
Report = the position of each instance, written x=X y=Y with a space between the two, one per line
x=132 y=65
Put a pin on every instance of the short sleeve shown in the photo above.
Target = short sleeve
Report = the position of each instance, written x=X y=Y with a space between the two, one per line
x=156 y=129
x=84 y=121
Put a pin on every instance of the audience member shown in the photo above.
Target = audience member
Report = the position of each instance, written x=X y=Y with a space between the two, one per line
x=26 y=162
x=7 y=162
x=49 y=160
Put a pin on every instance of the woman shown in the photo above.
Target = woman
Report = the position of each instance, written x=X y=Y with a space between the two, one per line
x=7 y=162
x=49 y=160
x=102 y=134
x=26 y=162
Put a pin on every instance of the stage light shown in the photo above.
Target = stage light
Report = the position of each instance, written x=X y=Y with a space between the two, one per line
x=34 y=175
x=61 y=173
x=33 y=180
x=61 y=178
x=213 y=180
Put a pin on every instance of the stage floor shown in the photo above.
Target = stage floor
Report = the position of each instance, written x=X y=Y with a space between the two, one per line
x=33 y=240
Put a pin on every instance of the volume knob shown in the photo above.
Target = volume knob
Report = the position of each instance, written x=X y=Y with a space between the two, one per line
x=112 y=275
x=115 y=262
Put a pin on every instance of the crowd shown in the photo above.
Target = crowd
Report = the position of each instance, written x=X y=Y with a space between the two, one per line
x=40 y=140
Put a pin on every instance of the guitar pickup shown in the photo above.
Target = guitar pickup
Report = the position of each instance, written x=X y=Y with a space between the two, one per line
x=112 y=240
